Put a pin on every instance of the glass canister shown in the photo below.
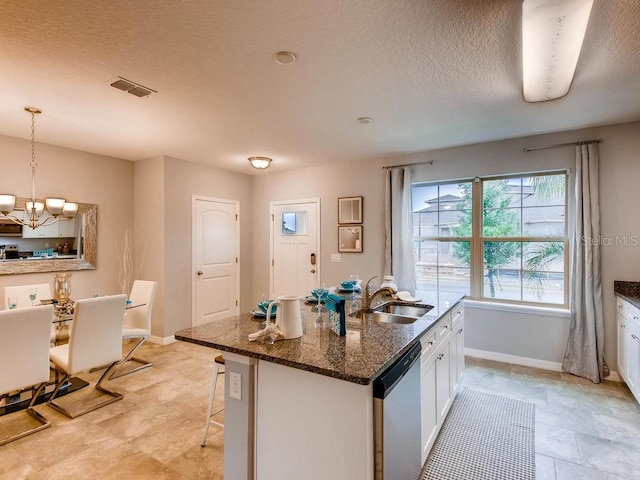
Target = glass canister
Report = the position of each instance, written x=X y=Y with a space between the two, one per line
x=62 y=287
x=387 y=281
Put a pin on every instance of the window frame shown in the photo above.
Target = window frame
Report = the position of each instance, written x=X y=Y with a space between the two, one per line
x=478 y=240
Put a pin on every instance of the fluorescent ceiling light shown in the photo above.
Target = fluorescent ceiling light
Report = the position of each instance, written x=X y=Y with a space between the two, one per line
x=552 y=35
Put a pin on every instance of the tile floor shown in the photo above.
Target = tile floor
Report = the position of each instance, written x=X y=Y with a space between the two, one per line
x=583 y=431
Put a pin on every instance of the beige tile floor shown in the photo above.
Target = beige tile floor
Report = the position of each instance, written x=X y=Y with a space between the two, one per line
x=583 y=431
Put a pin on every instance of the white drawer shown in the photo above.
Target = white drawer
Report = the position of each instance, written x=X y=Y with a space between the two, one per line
x=457 y=314
x=429 y=345
x=621 y=307
x=443 y=327
x=632 y=312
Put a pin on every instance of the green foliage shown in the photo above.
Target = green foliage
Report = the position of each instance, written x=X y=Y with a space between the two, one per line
x=498 y=221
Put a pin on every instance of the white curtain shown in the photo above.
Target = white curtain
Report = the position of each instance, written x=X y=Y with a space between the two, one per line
x=585 y=349
x=398 y=251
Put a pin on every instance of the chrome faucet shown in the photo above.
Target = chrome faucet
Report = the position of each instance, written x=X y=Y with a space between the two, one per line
x=367 y=299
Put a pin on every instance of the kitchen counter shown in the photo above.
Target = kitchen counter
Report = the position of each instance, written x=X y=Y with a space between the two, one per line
x=630 y=291
x=362 y=355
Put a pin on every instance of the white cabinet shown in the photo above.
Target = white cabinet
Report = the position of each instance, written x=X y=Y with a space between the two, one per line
x=628 y=336
x=441 y=368
x=429 y=407
x=633 y=358
x=61 y=229
x=457 y=348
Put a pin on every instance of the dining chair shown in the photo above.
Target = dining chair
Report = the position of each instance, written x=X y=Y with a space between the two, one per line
x=22 y=292
x=137 y=324
x=218 y=367
x=24 y=358
x=96 y=340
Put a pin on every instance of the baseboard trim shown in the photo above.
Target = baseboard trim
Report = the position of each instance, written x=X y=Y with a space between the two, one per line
x=161 y=340
x=526 y=361
x=514 y=359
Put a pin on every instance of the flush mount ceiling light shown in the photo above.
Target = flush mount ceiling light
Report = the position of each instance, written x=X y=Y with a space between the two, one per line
x=365 y=120
x=58 y=208
x=552 y=35
x=260 y=162
x=285 y=58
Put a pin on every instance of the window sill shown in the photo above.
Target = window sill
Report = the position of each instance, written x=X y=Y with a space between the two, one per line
x=524 y=309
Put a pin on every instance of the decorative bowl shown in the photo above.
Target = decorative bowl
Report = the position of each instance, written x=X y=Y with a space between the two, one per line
x=264 y=305
x=348 y=284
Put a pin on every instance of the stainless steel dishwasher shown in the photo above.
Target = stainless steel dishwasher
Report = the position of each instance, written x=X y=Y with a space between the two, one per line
x=396 y=417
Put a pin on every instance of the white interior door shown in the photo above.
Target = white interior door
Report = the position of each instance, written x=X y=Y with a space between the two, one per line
x=216 y=262
x=295 y=246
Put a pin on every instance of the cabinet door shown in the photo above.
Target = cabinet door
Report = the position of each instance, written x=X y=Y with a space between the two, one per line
x=633 y=332
x=67 y=228
x=443 y=380
x=622 y=347
x=428 y=407
x=46 y=231
x=459 y=339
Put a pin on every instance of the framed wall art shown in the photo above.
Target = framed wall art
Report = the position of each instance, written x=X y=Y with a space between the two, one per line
x=350 y=210
x=350 y=239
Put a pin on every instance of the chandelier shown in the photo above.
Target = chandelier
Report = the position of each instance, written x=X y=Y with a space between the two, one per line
x=57 y=208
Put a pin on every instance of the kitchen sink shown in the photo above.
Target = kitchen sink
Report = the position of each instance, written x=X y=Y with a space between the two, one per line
x=404 y=310
x=383 y=317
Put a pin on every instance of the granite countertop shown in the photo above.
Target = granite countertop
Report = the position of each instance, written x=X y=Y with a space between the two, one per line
x=364 y=353
x=630 y=291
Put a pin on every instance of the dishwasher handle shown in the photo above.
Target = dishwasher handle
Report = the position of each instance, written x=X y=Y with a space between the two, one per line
x=383 y=385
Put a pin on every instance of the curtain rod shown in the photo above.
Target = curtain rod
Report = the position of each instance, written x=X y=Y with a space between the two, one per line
x=543 y=147
x=427 y=162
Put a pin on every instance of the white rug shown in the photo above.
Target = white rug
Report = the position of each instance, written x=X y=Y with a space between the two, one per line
x=485 y=437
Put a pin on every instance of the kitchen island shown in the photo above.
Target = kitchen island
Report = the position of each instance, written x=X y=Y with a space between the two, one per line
x=305 y=407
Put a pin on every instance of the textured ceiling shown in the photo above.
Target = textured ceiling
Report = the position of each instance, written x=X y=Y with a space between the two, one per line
x=432 y=73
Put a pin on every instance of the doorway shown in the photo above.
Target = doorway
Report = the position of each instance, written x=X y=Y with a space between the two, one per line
x=215 y=260
x=295 y=247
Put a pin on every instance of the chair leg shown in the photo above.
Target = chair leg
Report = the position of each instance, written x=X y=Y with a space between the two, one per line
x=113 y=396
x=212 y=394
x=44 y=423
x=121 y=371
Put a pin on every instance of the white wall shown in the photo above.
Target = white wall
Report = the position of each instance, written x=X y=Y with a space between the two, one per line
x=76 y=176
x=149 y=230
x=327 y=183
x=182 y=180
x=539 y=336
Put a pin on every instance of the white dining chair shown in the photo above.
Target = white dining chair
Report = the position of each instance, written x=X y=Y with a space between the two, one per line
x=96 y=340
x=22 y=292
x=24 y=359
x=137 y=325
x=218 y=368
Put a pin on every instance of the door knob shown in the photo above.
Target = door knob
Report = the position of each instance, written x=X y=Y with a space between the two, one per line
x=200 y=272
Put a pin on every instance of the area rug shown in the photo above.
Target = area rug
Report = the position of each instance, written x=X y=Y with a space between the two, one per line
x=485 y=437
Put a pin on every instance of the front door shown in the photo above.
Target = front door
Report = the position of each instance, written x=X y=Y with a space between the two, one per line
x=295 y=246
x=216 y=262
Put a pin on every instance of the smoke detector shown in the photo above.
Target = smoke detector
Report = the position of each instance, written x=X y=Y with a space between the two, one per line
x=131 y=87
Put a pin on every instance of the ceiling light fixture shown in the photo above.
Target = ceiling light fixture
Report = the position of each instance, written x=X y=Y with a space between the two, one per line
x=365 y=120
x=58 y=208
x=260 y=162
x=552 y=35
x=284 y=58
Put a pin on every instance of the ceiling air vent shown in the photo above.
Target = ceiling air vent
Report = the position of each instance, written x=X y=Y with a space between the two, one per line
x=131 y=87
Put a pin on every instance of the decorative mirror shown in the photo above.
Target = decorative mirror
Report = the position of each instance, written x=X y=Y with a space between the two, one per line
x=41 y=249
x=349 y=210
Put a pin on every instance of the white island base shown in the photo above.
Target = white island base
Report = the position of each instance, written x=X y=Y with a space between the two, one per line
x=305 y=425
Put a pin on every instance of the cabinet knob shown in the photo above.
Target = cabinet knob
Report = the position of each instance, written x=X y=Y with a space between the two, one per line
x=634 y=337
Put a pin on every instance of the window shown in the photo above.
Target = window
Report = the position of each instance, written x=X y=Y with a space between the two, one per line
x=495 y=238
